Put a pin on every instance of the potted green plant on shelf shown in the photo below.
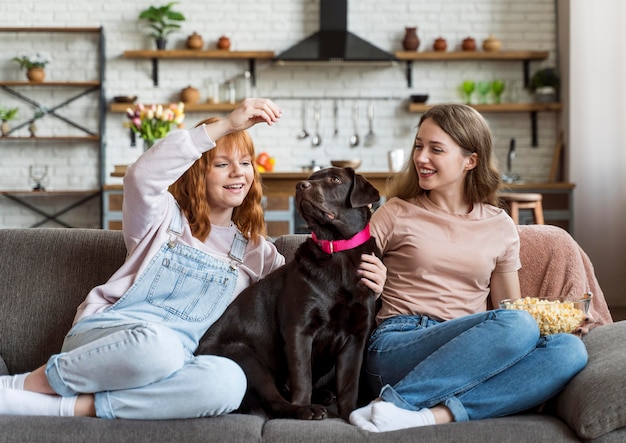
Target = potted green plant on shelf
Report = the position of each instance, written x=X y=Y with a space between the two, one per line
x=544 y=84
x=162 y=21
x=34 y=65
x=7 y=114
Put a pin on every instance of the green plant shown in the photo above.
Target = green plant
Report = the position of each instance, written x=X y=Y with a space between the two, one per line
x=31 y=61
x=7 y=114
x=544 y=77
x=163 y=20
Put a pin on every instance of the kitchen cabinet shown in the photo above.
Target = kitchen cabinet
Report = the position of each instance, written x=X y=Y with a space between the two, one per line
x=66 y=93
x=191 y=54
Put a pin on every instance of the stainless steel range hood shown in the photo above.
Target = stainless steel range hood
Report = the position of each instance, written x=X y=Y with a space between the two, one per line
x=333 y=43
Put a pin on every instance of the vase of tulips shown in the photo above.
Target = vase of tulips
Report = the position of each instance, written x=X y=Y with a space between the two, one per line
x=153 y=122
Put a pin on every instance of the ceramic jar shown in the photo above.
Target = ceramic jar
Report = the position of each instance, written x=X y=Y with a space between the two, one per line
x=469 y=44
x=36 y=75
x=491 y=44
x=411 y=41
x=223 y=43
x=440 y=44
x=190 y=95
x=194 y=41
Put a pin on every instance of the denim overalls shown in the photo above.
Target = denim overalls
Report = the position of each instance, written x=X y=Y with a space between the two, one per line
x=137 y=355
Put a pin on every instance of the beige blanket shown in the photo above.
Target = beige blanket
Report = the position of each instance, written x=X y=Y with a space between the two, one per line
x=555 y=266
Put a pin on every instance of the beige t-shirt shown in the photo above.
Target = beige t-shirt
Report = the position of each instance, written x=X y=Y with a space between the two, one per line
x=440 y=264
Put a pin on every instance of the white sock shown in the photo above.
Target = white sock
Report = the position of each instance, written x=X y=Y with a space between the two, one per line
x=389 y=417
x=362 y=418
x=16 y=402
x=13 y=381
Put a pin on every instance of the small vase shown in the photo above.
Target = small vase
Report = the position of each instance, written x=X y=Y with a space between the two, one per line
x=36 y=75
x=223 y=43
x=147 y=144
x=411 y=41
x=32 y=129
x=5 y=128
x=161 y=43
x=194 y=41
x=190 y=95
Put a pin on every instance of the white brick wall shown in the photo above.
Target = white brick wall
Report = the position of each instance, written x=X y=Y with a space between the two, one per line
x=273 y=25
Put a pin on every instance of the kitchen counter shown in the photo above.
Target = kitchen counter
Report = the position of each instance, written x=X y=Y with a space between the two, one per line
x=279 y=189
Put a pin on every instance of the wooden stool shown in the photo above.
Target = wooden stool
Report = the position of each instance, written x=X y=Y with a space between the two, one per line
x=518 y=200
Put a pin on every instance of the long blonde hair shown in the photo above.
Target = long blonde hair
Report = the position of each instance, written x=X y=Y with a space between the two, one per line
x=190 y=190
x=470 y=131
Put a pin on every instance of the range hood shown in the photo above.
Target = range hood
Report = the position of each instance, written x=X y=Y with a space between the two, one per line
x=333 y=42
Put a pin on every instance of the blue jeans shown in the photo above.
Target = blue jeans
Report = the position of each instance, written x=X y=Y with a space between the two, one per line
x=489 y=364
x=137 y=355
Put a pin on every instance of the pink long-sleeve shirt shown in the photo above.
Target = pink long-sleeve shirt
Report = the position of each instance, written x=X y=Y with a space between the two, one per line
x=148 y=209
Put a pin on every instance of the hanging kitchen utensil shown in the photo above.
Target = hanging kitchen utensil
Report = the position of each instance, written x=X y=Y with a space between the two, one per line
x=354 y=138
x=317 y=139
x=336 y=118
x=303 y=132
x=370 y=138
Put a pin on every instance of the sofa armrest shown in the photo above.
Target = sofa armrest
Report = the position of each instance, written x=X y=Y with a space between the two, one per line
x=593 y=403
x=3 y=367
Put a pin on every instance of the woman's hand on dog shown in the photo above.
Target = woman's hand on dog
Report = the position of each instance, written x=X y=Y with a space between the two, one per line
x=373 y=273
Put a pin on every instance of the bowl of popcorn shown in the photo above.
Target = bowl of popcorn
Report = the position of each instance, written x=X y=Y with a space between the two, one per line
x=552 y=316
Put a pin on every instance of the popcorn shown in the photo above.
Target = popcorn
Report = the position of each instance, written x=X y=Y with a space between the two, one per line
x=552 y=316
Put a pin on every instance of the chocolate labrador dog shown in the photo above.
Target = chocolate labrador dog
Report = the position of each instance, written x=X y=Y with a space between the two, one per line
x=311 y=317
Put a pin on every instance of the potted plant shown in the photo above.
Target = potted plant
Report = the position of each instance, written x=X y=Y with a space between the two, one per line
x=7 y=114
x=34 y=65
x=544 y=84
x=162 y=21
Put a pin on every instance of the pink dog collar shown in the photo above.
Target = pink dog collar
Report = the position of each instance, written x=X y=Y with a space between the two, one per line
x=331 y=246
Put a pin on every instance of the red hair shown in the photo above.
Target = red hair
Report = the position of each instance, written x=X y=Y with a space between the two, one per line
x=190 y=190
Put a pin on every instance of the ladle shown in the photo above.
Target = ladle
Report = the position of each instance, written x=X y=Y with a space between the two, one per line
x=303 y=133
x=317 y=139
x=370 y=138
x=354 y=138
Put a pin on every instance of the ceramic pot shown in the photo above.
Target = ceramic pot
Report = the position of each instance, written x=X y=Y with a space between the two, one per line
x=190 y=95
x=469 y=44
x=440 y=44
x=194 y=41
x=411 y=41
x=36 y=75
x=223 y=43
x=161 y=43
x=5 y=128
x=491 y=44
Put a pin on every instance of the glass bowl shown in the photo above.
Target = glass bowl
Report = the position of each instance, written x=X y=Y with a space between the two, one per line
x=552 y=316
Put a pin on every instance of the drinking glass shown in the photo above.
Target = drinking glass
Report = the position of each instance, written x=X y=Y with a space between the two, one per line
x=468 y=88
x=483 y=89
x=498 y=88
x=38 y=174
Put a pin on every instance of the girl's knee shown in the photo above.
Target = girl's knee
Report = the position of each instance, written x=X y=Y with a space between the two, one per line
x=163 y=350
x=224 y=385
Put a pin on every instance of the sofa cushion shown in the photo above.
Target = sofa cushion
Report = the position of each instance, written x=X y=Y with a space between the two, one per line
x=594 y=402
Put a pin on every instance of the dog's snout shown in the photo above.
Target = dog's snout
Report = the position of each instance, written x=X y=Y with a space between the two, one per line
x=303 y=185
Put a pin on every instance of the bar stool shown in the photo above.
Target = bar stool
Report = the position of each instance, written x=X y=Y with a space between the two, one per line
x=520 y=200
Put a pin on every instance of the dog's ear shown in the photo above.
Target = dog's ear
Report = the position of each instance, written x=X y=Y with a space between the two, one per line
x=363 y=193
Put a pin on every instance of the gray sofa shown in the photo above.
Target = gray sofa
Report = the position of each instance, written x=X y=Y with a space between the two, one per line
x=46 y=273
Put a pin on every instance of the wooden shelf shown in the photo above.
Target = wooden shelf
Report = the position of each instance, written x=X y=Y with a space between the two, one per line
x=53 y=138
x=216 y=54
x=504 y=107
x=471 y=55
x=199 y=107
x=192 y=54
x=39 y=84
x=524 y=56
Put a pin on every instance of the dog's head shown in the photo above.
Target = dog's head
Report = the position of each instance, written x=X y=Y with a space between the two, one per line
x=335 y=202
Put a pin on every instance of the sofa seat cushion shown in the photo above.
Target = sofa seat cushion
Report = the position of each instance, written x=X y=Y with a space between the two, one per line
x=594 y=402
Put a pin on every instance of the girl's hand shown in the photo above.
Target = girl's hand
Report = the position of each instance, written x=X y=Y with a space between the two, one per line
x=250 y=112
x=373 y=273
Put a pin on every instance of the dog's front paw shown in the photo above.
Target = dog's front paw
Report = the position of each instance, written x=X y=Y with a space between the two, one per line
x=311 y=412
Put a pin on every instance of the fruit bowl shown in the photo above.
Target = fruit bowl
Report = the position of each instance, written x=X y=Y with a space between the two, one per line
x=552 y=316
x=354 y=163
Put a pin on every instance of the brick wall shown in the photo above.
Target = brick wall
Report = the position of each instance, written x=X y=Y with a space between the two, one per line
x=273 y=25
